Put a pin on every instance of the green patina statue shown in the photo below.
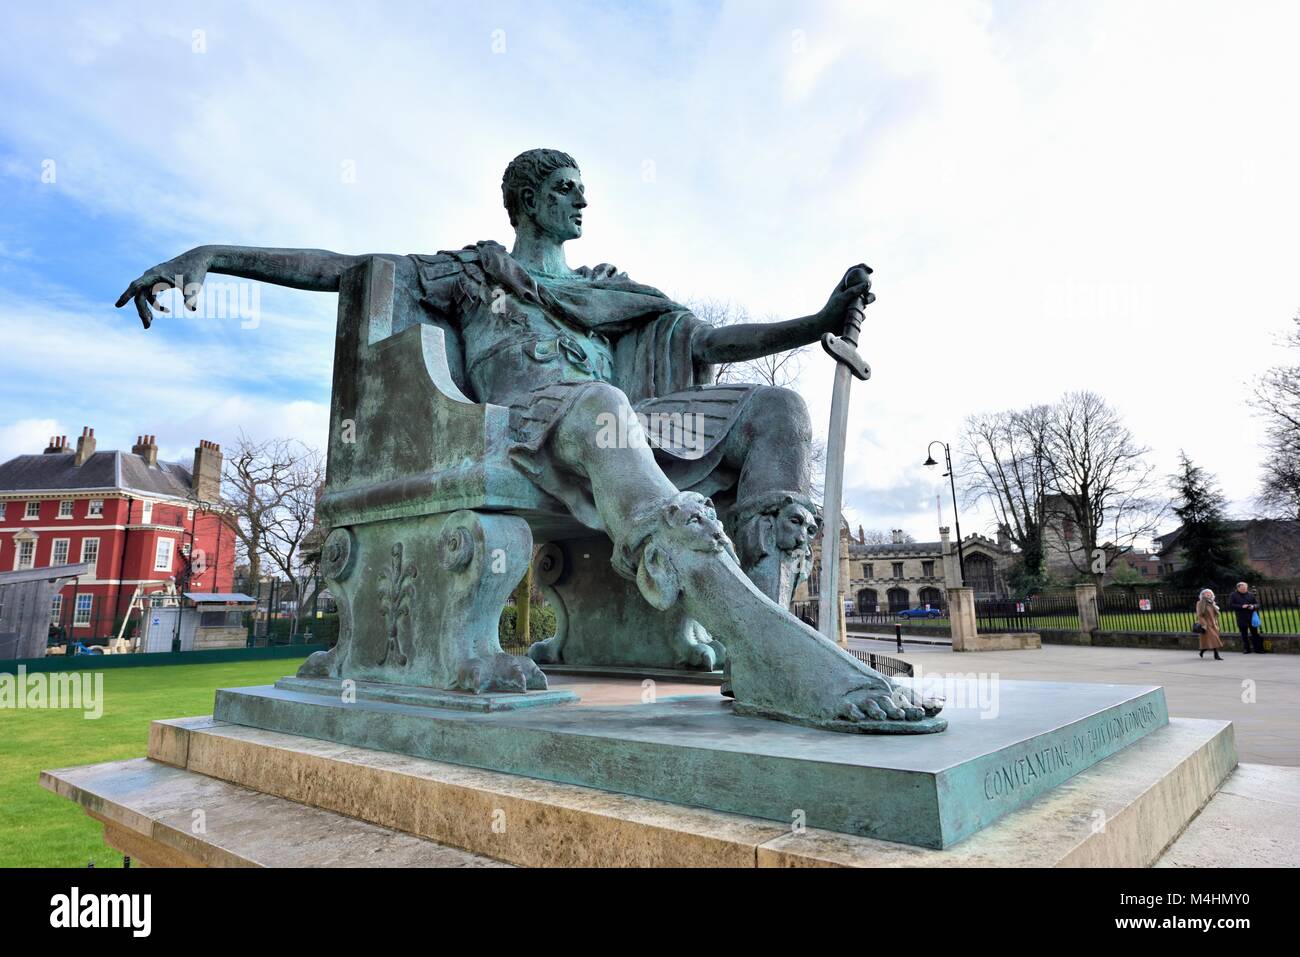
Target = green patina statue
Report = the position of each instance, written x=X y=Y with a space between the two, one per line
x=702 y=490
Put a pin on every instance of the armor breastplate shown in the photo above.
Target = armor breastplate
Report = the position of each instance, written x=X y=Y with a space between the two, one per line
x=512 y=348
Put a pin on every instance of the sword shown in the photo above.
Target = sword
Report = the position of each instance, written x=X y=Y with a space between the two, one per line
x=844 y=350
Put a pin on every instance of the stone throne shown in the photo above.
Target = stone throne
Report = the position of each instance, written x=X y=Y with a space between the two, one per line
x=432 y=525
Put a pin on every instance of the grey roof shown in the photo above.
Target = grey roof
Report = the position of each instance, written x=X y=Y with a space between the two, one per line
x=103 y=470
x=44 y=574
x=895 y=548
x=218 y=596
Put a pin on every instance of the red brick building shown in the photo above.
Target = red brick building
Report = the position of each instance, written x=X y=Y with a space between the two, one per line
x=145 y=525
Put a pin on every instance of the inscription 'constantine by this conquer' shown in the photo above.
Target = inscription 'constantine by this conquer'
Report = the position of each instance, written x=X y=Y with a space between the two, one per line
x=1057 y=761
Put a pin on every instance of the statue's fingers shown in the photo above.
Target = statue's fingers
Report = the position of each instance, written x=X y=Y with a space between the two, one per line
x=151 y=297
x=196 y=284
x=142 y=307
x=127 y=296
x=859 y=291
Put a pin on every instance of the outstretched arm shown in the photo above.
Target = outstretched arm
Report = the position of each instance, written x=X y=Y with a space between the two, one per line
x=316 y=269
x=751 y=340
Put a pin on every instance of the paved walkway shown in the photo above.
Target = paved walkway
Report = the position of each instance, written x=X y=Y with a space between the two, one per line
x=1260 y=694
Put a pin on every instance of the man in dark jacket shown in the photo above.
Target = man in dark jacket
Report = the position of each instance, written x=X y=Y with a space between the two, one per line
x=1245 y=604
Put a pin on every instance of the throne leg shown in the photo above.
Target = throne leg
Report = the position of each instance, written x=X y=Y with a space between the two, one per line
x=419 y=601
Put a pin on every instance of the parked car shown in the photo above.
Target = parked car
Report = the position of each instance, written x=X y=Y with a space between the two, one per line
x=920 y=613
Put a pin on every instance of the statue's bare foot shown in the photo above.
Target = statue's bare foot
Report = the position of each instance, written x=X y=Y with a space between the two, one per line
x=547 y=651
x=780 y=667
x=499 y=673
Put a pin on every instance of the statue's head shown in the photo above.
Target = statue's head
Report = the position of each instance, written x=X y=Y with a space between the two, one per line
x=544 y=187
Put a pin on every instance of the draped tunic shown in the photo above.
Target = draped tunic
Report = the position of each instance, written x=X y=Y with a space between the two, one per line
x=533 y=342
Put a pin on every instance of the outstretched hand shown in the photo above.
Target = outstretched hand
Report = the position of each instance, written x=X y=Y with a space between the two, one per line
x=186 y=273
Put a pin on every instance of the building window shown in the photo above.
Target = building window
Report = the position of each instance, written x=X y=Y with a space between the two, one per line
x=85 y=604
x=90 y=550
x=56 y=609
x=868 y=570
x=146 y=512
x=33 y=510
x=898 y=569
x=2 y=510
x=26 y=553
x=927 y=569
x=162 y=556
x=65 y=508
x=59 y=552
x=95 y=509
x=189 y=515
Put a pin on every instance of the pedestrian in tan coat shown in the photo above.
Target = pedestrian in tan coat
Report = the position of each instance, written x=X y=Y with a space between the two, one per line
x=1207 y=615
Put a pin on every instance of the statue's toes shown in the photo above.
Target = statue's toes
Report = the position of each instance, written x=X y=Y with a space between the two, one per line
x=879 y=706
x=534 y=677
x=873 y=711
x=851 y=712
x=908 y=698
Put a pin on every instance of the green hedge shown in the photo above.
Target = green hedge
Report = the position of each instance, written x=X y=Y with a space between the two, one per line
x=541 y=625
x=326 y=630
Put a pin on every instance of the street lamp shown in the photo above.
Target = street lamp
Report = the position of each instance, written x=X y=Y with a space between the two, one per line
x=952 y=483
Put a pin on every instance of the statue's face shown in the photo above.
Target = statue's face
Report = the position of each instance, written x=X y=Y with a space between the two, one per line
x=557 y=206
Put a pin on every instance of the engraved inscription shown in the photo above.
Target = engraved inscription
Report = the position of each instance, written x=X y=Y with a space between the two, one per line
x=1060 y=756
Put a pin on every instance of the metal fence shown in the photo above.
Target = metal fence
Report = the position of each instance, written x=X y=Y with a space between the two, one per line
x=1158 y=609
x=931 y=613
x=1031 y=613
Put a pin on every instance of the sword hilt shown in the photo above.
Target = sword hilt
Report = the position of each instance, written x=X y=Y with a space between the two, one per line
x=844 y=348
x=843 y=351
x=856 y=313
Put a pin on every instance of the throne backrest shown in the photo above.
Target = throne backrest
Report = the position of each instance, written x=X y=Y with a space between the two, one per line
x=404 y=438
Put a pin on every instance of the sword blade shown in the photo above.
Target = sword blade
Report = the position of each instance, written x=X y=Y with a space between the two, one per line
x=829 y=606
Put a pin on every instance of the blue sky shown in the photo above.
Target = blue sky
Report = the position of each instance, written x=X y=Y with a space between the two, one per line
x=1053 y=196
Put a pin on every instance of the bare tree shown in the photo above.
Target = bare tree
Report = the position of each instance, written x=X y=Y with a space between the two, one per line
x=289 y=526
x=270 y=488
x=880 y=536
x=1277 y=398
x=1099 y=481
x=1004 y=462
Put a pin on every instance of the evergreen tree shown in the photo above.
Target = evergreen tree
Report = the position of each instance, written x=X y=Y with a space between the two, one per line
x=1211 y=558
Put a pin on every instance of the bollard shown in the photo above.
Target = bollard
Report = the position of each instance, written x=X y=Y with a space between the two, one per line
x=898 y=635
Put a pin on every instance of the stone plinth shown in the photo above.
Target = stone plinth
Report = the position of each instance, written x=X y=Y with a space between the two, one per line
x=283 y=800
x=931 y=790
x=1004 y=641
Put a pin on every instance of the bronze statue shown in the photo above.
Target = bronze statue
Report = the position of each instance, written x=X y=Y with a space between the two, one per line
x=703 y=489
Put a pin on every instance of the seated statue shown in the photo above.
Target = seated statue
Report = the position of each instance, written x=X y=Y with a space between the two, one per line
x=702 y=488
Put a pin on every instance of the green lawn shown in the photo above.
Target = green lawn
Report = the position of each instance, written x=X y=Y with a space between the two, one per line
x=38 y=829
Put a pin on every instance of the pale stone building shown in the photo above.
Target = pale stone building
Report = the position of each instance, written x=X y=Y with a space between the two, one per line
x=896 y=575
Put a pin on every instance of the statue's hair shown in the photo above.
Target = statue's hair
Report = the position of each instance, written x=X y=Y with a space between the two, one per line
x=528 y=171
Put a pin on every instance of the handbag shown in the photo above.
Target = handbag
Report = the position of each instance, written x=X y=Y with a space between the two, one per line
x=1254 y=620
x=1198 y=629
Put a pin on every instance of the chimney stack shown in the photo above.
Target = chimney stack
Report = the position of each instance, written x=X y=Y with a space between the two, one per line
x=58 y=445
x=1004 y=535
x=85 y=446
x=207 y=471
x=146 y=446
x=896 y=536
